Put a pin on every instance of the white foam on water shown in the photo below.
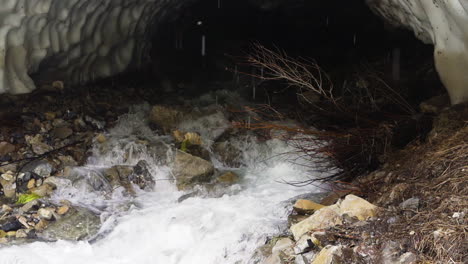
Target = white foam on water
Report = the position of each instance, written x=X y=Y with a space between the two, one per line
x=227 y=229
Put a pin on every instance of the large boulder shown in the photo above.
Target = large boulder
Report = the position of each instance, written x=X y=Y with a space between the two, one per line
x=190 y=170
x=321 y=219
x=78 y=224
x=126 y=176
x=166 y=118
x=357 y=207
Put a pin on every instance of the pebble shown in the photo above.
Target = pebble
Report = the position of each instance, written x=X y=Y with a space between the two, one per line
x=8 y=176
x=6 y=208
x=45 y=213
x=11 y=234
x=23 y=221
x=31 y=183
x=43 y=190
x=410 y=204
x=63 y=210
x=6 y=148
x=305 y=206
x=29 y=206
x=62 y=132
x=41 y=225
x=100 y=138
x=22 y=233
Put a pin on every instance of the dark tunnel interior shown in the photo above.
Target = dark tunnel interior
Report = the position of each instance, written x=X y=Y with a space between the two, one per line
x=339 y=35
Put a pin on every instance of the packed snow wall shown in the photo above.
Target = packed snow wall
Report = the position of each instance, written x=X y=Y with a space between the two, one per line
x=84 y=40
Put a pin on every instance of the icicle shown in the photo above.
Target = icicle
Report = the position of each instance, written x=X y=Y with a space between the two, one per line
x=261 y=72
x=396 y=64
x=219 y=4
x=328 y=21
x=253 y=83
x=253 y=91
x=203 y=45
x=248 y=122
x=354 y=39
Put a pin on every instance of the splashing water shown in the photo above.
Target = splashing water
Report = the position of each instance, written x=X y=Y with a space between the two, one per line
x=159 y=229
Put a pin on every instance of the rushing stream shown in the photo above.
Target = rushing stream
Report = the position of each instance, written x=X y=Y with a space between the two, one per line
x=154 y=227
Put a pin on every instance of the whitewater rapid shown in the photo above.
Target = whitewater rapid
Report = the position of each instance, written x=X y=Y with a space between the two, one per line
x=157 y=229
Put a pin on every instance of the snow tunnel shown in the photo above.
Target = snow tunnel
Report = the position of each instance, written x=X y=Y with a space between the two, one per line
x=187 y=41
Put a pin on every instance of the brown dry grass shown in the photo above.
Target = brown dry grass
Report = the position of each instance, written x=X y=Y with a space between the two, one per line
x=437 y=173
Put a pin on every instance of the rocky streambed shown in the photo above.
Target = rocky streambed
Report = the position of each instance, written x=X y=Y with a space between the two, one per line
x=145 y=184
x=98 y=178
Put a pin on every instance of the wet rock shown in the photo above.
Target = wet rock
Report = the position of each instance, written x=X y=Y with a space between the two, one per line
x=77 y=224
x=357 y=207
x=141 y=176
x=306 y=207
x=284 y=245
x=166 y=118
x=125 y=176
x=10 y=224
x=50 y=115
x=228 y=153
x=100 y=138
x=392 y=254
x=435 y=105
x=45 y=213
x=6 y=148
x=63 y=209
x=190 y=170
x=37 y=144
x=6 y=209
x=39 y=167
x=30 y=206
x=276 y=258
x=178 y=136
x=94 y=122
x=408 y=258
x=192 y=138
x=228 y=178
x=62 y=132
x=41 y=225
x=31 y=183
x=296 y=218
x=7 y=181
x=410 y=204
x=304 y=258
x=86 y=179
x=43 y=190
x=321 y=219
x=330 y=255
x=67 y=161
x=305 y=244
x=24 y=233
x=198 y=151
x=161 y=152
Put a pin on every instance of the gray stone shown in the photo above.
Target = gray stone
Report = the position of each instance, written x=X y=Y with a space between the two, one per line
x=29 y=206
x=321 y=219
x=408 y=258
x=167 y=118
x=37 y=145
x=6 y=148
x=77 y=224
x=62 y=132
x=125 y=176
x=410 y=204
x=190 y=170
x=45 y=213
x=39 y=167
